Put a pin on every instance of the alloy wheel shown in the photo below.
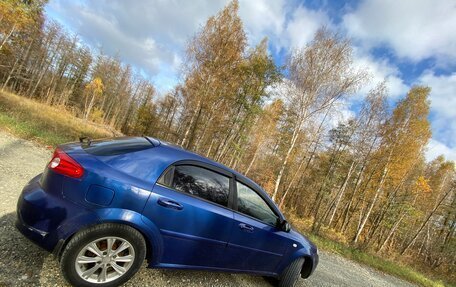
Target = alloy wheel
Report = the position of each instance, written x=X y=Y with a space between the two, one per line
x=105 y=259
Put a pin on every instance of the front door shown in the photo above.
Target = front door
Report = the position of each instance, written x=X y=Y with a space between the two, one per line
x=255 y=243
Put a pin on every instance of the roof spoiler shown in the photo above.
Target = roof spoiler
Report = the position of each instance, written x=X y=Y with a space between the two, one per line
x=86 y=140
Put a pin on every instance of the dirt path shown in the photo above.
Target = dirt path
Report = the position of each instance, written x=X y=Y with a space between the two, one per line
x=24 y=264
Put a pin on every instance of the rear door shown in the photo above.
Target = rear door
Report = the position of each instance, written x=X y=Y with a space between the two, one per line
x=256 y=244
x=189 y=205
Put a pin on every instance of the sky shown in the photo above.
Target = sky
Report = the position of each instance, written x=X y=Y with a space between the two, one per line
x=405 y=42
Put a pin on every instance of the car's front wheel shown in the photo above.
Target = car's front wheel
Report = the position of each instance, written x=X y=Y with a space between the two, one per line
x=291 y=273
x=103 y=255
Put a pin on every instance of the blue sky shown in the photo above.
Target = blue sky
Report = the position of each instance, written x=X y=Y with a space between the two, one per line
x=404 y=42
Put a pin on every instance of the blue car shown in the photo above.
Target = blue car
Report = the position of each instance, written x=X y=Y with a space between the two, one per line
x=104 y=206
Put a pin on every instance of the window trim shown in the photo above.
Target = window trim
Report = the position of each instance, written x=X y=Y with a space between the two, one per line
x=232 y=196
x=204 y=165
x=242 y=181
x=215 y=169
x=163 y=175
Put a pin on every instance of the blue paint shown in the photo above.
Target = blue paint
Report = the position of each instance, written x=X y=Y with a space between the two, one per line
x=183 y=231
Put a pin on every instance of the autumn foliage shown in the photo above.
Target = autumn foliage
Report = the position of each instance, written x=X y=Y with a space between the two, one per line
x=364 y=178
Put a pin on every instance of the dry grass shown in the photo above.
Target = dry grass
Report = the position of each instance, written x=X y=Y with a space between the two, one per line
x=44 y=124
x=337 y=243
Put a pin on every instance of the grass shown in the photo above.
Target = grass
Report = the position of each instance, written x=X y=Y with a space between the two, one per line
x=38 y=122
x=393 y=268
x=334 y=243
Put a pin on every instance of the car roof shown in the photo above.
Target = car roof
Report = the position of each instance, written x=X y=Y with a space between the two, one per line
x=182 y=154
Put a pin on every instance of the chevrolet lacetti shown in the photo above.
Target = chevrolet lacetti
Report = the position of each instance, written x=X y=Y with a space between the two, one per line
x=104 y=206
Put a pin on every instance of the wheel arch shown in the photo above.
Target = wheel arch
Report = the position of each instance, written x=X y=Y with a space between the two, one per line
x=308 y=266
x=151 y=234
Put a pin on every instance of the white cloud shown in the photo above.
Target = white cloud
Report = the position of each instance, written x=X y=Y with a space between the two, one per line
x=443 y=113
x=341 y=113
x=415 y=29
x=149 y=36
x=303 y=25
x=380 y=70
x=300 y=30
x=443 y=93
x=285 y=24
x=436 y=148
x=263 y=18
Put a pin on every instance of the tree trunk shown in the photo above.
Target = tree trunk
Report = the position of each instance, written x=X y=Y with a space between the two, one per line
x=284 y=196
x=341 y=192
x=391 y=233
x=89 y=108
x=189 y=127
x=229 y=136
x=334 y=160
x=426 y=220
x=10 y=74
x=294 y=138
x=19 y=69
x=203 y=134
x=255 y=154
x=210 y=148
x=371 y=206
x=193 y=130
x=287 y=190
x=7 y=36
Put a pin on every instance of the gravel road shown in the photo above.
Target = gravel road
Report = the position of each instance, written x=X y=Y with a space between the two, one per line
x=24 y=264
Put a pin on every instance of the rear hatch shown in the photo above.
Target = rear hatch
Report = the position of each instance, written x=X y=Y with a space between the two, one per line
x=113 y=163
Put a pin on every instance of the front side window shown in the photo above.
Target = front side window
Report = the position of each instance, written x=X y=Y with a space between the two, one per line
x=250 y=203
x=202 y=182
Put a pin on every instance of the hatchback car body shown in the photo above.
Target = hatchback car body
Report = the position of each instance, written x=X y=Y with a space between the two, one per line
x=103 y=206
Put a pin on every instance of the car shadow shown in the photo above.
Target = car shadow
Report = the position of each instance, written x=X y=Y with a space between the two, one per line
x=184 y=278
x=21 y=260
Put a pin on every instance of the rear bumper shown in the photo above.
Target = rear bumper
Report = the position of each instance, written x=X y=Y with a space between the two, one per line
x=47 y=219
x=39 y=237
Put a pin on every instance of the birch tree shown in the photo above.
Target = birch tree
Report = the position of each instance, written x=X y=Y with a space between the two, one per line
x=94 y=90
x=320 y=74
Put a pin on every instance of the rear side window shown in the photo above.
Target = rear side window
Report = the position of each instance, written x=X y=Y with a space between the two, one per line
x=201 y=182
x=116 y=146
x=250 y=203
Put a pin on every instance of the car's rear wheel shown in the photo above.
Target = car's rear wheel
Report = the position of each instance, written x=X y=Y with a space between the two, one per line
x=290 y=275
x=103 y=255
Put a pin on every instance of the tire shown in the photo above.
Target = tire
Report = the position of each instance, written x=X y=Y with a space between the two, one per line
x=107 y=266
x=291 y=273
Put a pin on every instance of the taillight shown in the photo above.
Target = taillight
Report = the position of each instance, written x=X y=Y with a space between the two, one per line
x=64 y=164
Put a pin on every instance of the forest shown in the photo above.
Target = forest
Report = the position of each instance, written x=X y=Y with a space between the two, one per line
x=364 y=181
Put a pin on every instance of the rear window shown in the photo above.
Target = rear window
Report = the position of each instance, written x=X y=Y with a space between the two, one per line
x=202 y=182
x=116 y=146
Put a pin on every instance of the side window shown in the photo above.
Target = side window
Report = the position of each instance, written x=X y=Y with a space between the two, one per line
x=167 y=177
x=250 y=203
x=202 y=183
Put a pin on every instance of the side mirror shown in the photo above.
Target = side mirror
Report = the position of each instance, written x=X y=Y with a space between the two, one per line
x=285 y=226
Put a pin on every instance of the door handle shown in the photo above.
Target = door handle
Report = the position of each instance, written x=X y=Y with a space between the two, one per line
x=170 y=204
x=246 y=227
